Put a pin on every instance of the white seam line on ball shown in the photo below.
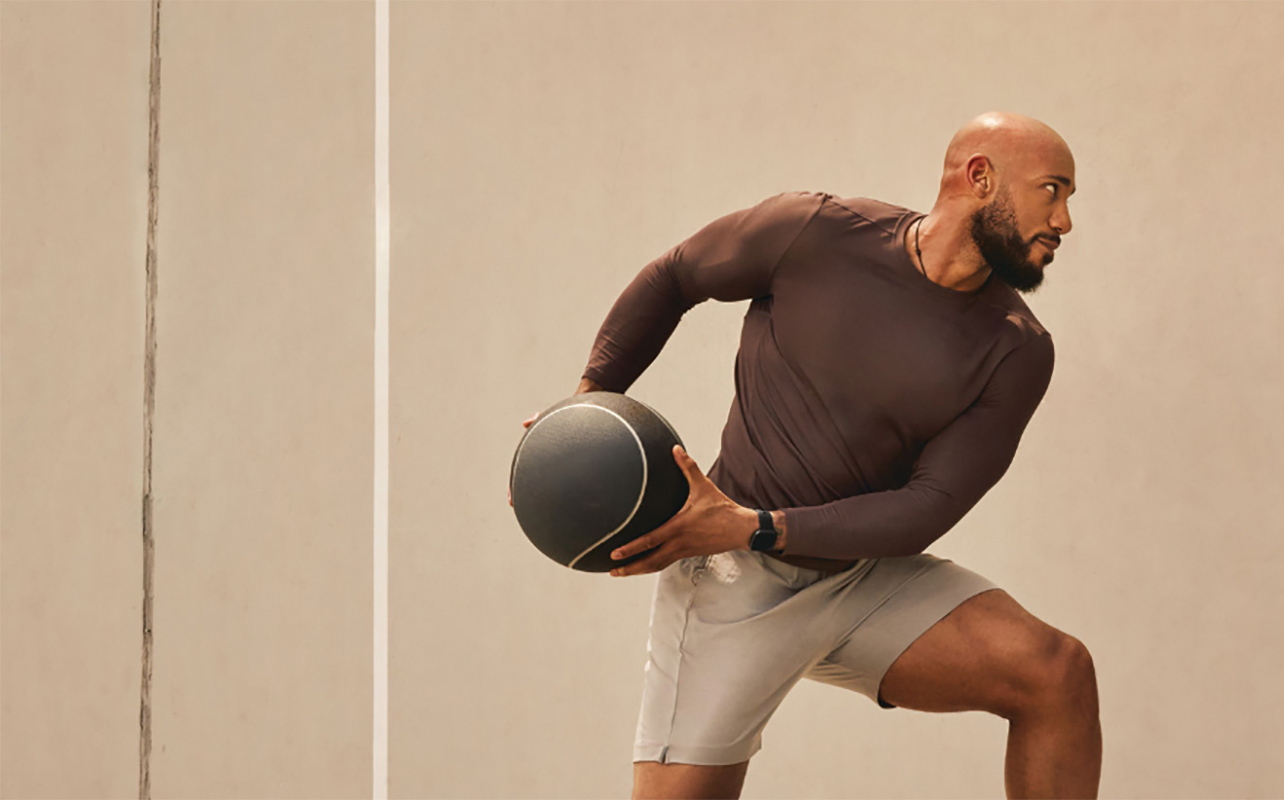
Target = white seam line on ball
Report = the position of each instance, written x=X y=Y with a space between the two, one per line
x=641 y=491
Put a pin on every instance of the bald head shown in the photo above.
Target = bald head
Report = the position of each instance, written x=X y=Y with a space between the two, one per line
x=1009 y=144
x=1002 y=205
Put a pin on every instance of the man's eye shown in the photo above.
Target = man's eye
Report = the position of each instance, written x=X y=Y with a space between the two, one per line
x=1053 y=187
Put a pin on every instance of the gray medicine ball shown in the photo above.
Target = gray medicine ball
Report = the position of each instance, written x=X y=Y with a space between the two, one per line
x=593 y=472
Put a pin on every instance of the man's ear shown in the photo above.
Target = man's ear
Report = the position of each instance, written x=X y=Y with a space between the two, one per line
x=980 y=173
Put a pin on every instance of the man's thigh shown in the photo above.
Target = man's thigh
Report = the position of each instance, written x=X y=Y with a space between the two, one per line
x=985 y=655
x=887 y=611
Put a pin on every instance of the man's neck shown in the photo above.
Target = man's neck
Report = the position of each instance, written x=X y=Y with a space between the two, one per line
x=949 y=257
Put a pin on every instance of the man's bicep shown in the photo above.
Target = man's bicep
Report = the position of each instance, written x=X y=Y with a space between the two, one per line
x=735 y=256
x=968 y=458
x=954 y=470
x=731 y=258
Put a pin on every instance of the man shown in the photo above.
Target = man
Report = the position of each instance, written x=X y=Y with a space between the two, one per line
x=887 y=369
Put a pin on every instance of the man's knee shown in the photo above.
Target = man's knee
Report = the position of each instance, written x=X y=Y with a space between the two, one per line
x=1055 y=672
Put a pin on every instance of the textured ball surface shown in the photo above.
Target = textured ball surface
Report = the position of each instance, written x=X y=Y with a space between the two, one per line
x=593 y=472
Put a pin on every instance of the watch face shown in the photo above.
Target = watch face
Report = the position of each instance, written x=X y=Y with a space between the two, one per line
x=762 y=540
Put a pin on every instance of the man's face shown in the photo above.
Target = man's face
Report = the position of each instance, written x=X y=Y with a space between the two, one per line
x=1017 y=235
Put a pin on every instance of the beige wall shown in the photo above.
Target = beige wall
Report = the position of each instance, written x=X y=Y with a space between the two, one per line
x=73 y=213
x=265 y=407
x=541 y=154
x=264 y=410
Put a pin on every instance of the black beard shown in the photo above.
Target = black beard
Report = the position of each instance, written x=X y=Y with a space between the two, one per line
x=994 y=231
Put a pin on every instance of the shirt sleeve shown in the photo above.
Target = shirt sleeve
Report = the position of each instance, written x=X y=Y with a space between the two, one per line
x=732 y=258
x=954 y=470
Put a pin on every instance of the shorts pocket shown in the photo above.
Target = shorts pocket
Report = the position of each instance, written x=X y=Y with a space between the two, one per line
x=734 y=586
x=693 y=567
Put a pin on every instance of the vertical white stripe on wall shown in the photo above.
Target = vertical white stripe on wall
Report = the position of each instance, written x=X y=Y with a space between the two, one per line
x=382 y=253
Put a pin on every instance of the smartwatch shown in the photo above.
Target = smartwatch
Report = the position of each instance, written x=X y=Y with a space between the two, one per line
x=764 y=539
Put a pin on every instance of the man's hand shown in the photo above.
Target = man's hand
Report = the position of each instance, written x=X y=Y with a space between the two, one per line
x=709 y=522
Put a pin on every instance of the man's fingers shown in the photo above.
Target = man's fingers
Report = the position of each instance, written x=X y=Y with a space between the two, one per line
x=655 y=562
x=687 y=464
x=526 y=423
x=646 y=541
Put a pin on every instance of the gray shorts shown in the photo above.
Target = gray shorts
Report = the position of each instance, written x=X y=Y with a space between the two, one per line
x=732 y=633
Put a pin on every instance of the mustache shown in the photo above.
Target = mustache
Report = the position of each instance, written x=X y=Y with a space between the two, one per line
x=1054 y=239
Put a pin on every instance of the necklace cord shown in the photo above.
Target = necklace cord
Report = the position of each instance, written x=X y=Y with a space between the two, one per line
x=921 y=266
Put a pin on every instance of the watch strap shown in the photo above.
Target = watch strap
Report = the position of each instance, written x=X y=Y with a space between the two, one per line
x=765 y=537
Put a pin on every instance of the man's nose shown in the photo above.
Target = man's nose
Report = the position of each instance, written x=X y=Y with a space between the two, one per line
x=1061 y=223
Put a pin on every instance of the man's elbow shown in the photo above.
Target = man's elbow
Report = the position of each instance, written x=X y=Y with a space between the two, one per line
x=945 y=514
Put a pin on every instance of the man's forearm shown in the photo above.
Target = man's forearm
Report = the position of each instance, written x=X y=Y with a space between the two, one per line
x=587 y=385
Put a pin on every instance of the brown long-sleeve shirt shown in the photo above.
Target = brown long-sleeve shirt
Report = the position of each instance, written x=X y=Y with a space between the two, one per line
x=874 y=405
